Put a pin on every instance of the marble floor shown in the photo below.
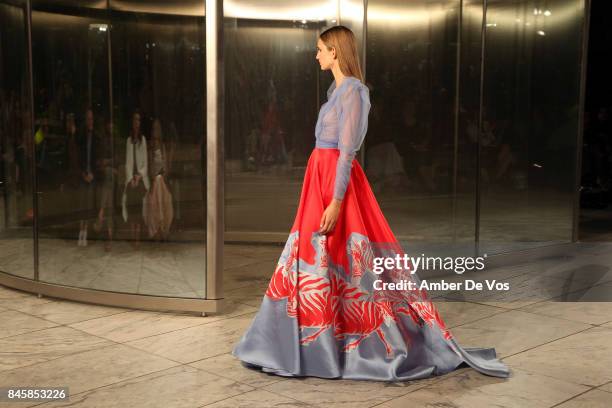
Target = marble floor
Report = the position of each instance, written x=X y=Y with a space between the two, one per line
x=554 y=332
x=163 y=269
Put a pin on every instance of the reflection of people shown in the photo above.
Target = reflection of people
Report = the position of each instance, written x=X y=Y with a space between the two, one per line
x=87 y=157
x=272 y=149
x=418 y=151
x=159 y=212
x=497 y=152
x=173 y=172
x=73 y=171
x=24 y=154
x=321 y=306
x=251 y=149
x=40 y=143
x=384 y=162
x=107 y=182
x=136 y=178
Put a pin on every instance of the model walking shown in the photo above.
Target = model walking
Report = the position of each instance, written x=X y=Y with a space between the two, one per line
x=321 y=315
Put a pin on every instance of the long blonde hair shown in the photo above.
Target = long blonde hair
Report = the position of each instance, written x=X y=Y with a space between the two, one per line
x=343 y=39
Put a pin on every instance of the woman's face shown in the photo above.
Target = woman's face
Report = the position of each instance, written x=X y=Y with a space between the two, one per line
x=324 y=56
x=136 y=124
x=156 y=132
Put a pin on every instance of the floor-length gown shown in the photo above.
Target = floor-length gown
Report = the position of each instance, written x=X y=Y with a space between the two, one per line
x=321 y=315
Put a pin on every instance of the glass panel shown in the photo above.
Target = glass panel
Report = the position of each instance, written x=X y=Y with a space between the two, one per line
x=152 y=69
x=469 y=110
x=410 y=145
x=16 y=146
x=274 y=88
x=596 y=173
x=158 y=72
x=71 y=97
x=530 y=123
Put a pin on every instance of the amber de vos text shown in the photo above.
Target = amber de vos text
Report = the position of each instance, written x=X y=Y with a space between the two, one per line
x=459 y=265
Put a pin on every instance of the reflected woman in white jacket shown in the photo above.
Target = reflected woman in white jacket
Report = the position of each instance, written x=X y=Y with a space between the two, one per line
x=136 y=179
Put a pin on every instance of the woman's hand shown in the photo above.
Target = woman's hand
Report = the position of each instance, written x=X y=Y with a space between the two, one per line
x=330 y=216
x=135 y=179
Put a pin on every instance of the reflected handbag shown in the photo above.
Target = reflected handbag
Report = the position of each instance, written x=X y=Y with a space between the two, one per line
x=135 y=194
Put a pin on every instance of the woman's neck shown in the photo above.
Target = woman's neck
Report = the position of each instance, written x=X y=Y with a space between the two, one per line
x=338 y=75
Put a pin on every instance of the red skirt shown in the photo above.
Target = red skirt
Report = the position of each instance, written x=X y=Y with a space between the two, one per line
x=359 y=212
x=322 y=314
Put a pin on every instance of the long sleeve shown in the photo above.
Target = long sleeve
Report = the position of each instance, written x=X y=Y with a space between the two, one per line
x=129 y=164
x=144 y=170
x=354 y=107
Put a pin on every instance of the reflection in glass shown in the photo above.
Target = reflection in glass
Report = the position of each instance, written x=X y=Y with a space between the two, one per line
x=16 y=146
x=530 y=123
x=272 y=103
x=104 y=78
x=158 y=88
x=411 y=69
x=119 y=102
x=467 y=121
x=71 y=99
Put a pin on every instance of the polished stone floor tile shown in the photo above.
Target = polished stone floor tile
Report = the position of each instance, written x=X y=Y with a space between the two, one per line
x=523 y=289
x=591 y=268
x=253 y=274
x=585 y=312
x=257 y=252
x=590 y=399
x=582 y=358
x=228 y=366
x=500 y=272
x=195 y=343
x=544 y=331
x=177 y=387
x=511 y=305
x=236 y=255
x=44 y=345
x=14 y=323
x=596 y=293
x=347 y=393
x=237 y=260
x=459 y=313
x=606 y=387
x=66 y=312
x=251 y=294
x=133 y=325
x=514 y=331
x=259 y=399
x=232 y=309
x=90 y=369
x=136 y=324
x=470 y=389
x=24 y=303
x=8 y=293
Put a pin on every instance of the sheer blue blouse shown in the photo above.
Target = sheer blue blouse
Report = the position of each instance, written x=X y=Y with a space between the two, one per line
x=342 y=124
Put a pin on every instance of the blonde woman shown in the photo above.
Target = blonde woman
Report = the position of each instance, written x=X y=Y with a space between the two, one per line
x=159 y=211
x=322 y=315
